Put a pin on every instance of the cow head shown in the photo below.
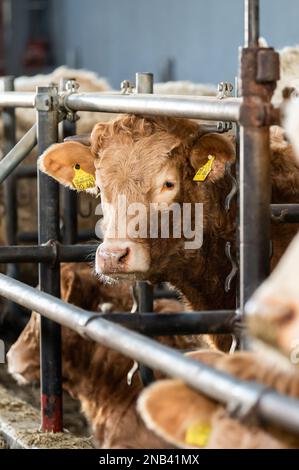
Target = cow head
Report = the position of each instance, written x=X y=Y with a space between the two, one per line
x=143 y=168
x=23 y=357
x=273 y=310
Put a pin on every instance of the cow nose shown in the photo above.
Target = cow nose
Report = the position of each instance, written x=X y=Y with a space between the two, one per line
x=111 y=259
x=119 y=256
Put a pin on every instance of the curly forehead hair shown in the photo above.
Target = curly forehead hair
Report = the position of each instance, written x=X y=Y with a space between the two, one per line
x=131 y=128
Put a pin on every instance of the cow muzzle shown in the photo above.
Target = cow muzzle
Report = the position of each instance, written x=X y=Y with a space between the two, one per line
x=273 y=322
x=123 y=257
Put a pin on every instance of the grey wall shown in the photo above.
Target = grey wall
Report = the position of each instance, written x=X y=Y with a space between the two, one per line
x=116 y=38
x=16 y=32
x=15 y=35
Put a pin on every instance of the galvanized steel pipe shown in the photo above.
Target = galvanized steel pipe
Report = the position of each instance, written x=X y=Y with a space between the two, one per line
x=269 y=405
x=17 y=99
x=18 y=153
x=208 y=108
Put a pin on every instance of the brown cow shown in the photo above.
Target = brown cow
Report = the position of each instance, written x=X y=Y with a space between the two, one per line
x=93 y=373
x=188 y=419
x=153 y=161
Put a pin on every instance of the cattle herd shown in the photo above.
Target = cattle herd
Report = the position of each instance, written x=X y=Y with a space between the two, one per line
x=151 y=163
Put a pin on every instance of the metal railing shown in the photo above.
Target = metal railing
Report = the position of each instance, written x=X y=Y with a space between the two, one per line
x=241 y=396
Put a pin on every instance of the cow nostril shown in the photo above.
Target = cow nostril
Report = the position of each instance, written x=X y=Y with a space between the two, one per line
x=124 y=255
x=286 y=318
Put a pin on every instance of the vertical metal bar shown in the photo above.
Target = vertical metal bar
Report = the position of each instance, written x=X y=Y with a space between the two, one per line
x=145 y=304
x=70 y=203
x=70 y=198
x=254 y=209
x=252 y=23
x=258 y=83
x=238 y=335
x=237 y=94
x=145 y=84
x=49 y=275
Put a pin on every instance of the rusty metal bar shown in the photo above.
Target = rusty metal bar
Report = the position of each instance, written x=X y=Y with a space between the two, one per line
x=259 y=71
x=252 y=26
x=49 y=275
x=254 y=211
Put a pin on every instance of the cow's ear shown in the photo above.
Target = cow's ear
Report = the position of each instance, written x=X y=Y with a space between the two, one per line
x=177 y=414
x=209 y=156
x=79 y=286
x=71 y=164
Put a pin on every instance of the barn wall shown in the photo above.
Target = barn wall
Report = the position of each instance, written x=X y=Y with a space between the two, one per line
x=118 y=38
x=15 y=34
x=191 y=39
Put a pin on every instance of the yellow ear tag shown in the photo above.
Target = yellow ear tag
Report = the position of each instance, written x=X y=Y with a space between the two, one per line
x=205 y=170
x=198 y=435
x=83 y=180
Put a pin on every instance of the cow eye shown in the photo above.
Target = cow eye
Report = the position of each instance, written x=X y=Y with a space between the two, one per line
x=168 y=185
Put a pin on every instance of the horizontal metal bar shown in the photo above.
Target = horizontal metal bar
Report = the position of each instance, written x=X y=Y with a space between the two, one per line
x=269 y=405
x=285 y=213
x=165 y=293
x=209 y=108
x=82 y=253
x=163 y=324
x=282 y=213
x=17 y=99
x=18 y=153
x=31 y=237
x=49 y=253
x=27 y=254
